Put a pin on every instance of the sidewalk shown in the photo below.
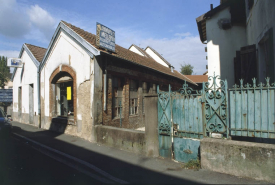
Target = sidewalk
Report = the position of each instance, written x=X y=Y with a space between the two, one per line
x=123 y=165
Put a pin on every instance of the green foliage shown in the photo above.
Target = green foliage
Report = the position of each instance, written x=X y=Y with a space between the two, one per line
x=193 y=164
x=4 y=71
x=186 y=69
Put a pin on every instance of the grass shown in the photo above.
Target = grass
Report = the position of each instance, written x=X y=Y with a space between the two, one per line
x=193 y=164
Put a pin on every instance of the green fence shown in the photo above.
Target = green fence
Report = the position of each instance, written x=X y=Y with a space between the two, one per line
x=252 y=110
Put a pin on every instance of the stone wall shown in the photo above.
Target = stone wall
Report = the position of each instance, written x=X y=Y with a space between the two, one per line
x=244 y=159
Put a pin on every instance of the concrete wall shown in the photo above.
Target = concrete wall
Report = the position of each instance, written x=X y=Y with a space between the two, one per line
x=244 y=159
x=23 y=78
x=125 y=139
x=66 y=52
x=222 y=46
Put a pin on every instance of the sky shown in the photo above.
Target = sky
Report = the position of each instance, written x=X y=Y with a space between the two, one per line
x=168 y=26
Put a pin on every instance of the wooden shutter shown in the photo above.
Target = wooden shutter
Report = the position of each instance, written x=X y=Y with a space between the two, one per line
x=245 y=64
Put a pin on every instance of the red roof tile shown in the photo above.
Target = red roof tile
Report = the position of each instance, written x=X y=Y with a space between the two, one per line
x=198 y=78
x=126 y=54
x=38 y=52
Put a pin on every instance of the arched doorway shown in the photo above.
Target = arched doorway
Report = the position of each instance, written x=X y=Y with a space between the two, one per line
x=63 y=94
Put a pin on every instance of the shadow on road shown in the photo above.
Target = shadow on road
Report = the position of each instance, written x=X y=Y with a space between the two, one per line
x=117 y=168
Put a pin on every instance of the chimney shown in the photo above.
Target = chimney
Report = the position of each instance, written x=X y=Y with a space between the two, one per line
x=211 y=6
x=172 y=69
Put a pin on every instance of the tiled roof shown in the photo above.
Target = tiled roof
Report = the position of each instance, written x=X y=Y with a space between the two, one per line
x=38 y=52
x=159 y=55
x=198 y=78
x=128 y=55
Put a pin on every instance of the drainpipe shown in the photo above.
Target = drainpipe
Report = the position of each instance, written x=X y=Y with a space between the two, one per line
x=38 y=97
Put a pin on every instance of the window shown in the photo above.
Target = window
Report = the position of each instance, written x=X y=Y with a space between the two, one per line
x=117 y=96
x=245 y=64
x=133 y=98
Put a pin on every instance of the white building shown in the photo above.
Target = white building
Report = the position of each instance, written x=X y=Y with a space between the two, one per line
x=240 y=41
x=25 y=85
x=83 y=85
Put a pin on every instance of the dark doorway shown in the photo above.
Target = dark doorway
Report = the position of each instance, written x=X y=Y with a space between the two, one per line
x=31 y=110
x=64 y=102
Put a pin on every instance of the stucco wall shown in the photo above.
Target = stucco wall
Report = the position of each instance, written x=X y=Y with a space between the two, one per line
x=23 y=78
x=134 y=49
x=260 y=19
x=67 y=52
x=244 y=159
x=222 y=46
x=155 y=57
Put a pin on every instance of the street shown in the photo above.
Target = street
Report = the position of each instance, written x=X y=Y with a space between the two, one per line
x=88 y=162
x=21 y=164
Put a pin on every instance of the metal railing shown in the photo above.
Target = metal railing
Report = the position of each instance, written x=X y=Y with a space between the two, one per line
x=252 y=109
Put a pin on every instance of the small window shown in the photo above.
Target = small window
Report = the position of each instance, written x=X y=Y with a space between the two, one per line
x=154 y=89
x=117 y=96
x=133 y=98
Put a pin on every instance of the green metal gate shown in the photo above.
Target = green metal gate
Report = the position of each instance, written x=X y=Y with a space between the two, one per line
x=164 y=123
x=186 y=115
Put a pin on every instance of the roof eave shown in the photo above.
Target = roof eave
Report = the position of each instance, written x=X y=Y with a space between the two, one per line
x=36 y=62
x=201 y=20
x=188 y=80
x=90 y=49
x=161 y=57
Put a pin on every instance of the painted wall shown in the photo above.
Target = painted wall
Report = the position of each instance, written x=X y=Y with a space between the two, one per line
x=259 y=20
x=67 y=52
x=222 y=46
x=23 y=78
x=134 y=49
x=155 y=57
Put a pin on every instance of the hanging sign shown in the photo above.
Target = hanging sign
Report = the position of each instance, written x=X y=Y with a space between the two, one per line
x=69 y=93
x=105 y=37
x=6 y=95
x=15 y=62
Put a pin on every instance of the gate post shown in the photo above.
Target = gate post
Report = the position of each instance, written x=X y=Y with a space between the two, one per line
x=203 y=109
x=151 y=125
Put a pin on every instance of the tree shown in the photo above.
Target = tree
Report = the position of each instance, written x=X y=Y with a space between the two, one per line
x=186 y=69
x=4 y=71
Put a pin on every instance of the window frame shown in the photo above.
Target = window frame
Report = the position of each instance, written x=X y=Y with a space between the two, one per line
x=117 y=108
x=133 y=101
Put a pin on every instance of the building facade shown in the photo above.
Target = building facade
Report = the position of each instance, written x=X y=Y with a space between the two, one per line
x=25 y=85
x=82 y=85
x=239 y=38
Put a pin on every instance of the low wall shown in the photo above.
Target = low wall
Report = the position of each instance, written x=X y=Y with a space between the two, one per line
x=125 y=139
x=239 y=158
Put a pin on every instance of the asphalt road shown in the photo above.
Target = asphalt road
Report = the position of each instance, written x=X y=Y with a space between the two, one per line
x=21 y=164
x=101 y=162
